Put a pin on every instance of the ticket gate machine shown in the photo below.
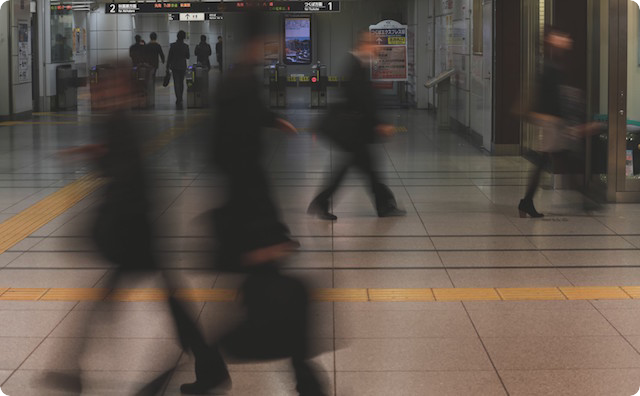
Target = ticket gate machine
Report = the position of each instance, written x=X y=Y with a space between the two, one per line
x=197 y=86
x=318 y=86
x=276 y=75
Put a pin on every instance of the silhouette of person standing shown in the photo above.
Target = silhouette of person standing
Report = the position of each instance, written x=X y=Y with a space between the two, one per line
x=219 y=52
x=177 y=62
x=203 y=52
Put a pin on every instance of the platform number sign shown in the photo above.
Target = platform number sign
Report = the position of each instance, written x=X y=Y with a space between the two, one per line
x=112 y=8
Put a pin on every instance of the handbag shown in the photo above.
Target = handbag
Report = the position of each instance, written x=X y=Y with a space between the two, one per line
x=167 y=78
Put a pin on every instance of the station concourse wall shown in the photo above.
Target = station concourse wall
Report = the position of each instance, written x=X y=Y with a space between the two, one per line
x=16 y=87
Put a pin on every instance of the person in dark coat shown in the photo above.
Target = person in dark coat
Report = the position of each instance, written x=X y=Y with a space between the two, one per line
x=177 y=62
x=137 y=51
x=203 y=52
x=154 y=51
x=122 y=231
x=356 y=125
x=252 y=239
x=219 y=52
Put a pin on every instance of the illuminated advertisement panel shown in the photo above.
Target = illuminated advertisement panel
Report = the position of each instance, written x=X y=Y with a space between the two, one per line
x=297 y=40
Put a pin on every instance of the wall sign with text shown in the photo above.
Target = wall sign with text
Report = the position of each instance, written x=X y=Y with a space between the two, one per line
x=389 y=62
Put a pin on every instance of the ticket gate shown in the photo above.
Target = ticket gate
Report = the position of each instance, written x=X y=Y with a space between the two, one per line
x=66 y=87
x=145 y=88
x=276 y=75
x=197 y=86
x=318 y=86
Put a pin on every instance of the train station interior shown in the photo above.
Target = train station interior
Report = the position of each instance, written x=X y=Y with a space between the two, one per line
x=458 y=287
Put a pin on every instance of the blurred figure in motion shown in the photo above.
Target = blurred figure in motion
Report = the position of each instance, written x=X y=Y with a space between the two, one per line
x=251 y=237
x=559 y=111
x=122 y=230
x=353 y=126
x=177 y=62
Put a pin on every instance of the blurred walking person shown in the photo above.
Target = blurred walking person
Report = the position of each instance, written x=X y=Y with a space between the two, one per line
x=122 y=230
x=559 y=111
x=354 y=126
x=177 y=62
x=251 y=237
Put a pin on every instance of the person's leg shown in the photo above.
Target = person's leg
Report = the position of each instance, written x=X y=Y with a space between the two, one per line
x=526 y=206
x=320 y=204
x=384 y=200
x=307 y=381
x=178 y=85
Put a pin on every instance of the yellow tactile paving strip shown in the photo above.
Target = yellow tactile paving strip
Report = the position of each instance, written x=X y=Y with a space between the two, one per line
x=330 y=295
x=23 y=224
x=29 y=220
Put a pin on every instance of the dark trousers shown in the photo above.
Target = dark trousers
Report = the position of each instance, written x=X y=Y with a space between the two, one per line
x=178 y=84
x=362 y=159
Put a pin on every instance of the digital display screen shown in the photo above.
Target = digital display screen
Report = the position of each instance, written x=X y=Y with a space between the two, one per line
x=297 y=41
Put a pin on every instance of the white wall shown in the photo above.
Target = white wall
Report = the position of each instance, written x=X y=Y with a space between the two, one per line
x=110 y=37
x=443 y=41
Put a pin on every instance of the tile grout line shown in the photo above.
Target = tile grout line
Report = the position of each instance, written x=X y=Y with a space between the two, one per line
x=486 y=351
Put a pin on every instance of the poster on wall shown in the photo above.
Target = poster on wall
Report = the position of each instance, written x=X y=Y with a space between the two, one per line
x=24 y=52
x=389 y=62
x=297 y=41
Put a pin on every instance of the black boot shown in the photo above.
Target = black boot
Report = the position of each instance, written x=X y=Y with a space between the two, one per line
x=212 y=375
x=386 y=204
x=526 y=208
x=320 y=207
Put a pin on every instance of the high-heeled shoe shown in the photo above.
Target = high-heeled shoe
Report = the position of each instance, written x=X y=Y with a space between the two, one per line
x=526 y=208
x=321 y=210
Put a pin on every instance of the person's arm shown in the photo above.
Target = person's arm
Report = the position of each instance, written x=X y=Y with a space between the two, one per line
x=209 y=50
x=186 y=50
x=197 y=50
x=170 y=56
x=161 y=53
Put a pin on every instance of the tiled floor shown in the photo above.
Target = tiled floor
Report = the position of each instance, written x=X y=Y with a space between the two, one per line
x=461 y=230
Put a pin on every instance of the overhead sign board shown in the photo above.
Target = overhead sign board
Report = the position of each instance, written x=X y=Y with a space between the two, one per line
x=200 y=16
x=389 y=62
x=226 y=6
